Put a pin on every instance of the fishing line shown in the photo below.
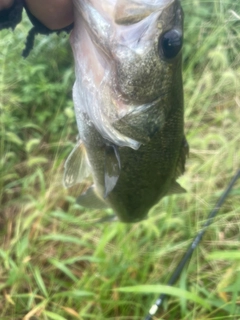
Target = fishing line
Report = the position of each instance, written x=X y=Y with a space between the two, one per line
x=155 y=307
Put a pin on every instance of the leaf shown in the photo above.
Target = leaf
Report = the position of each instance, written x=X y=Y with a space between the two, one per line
x=39 y=281
x=35 y=310
x=64 y=269
x=64 y=238
x=173 y=291
x=224 y=255
x=54 y=316
x=73 y=294
x=71 y=312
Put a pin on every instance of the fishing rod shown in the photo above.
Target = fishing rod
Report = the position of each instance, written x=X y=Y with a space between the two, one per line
x=155 y=307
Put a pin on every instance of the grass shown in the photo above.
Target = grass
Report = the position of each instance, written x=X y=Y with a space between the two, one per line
x=55 y=262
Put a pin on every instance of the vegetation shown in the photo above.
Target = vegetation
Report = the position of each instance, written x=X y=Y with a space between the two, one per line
x=56 y=261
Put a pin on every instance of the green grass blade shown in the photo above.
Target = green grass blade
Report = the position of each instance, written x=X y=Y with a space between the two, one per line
x=39 y=280
x=59 y=265
x=64 y=238
x=224 y=255
x=177 y=292
x=54 y=316
x=74 y=294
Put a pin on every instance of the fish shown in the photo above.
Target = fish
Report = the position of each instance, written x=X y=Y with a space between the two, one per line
x=128 y=101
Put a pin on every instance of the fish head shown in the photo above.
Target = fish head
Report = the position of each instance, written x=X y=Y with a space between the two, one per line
x=146 y=49
x=127 y=55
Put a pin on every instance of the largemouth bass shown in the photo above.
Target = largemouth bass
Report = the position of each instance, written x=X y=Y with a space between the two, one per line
x=128 y=99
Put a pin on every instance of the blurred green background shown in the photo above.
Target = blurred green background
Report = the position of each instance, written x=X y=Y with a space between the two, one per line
x=56 y=262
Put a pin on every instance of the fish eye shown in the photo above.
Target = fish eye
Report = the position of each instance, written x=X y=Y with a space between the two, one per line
x=170 y=44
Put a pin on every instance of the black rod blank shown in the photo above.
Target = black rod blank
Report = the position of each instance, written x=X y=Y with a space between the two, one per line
x=155 y=307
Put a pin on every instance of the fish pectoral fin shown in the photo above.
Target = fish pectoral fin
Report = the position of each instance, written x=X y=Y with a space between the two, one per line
x=175 y=188
x=112 y=168
x=89 y=199
x=76 y=167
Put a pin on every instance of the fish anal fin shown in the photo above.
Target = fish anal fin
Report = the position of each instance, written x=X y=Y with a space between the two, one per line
x=89 y=199
x=76 y=167
x=175 y=188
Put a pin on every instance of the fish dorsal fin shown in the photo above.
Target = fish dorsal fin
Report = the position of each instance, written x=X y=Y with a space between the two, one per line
x=112 y=168
x=175 y=188
x=89 y=199
x=76 y=167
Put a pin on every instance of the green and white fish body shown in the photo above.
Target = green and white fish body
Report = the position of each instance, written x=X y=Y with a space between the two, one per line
x=128 y=99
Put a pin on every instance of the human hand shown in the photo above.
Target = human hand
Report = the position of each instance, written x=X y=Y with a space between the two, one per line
x=54 y=14
x=5 y=4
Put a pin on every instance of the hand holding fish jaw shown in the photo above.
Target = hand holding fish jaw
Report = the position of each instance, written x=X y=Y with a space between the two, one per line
x=5 y=4
x=54 y=14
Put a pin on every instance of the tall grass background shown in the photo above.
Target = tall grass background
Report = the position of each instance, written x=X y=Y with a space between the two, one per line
x=56 y=262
